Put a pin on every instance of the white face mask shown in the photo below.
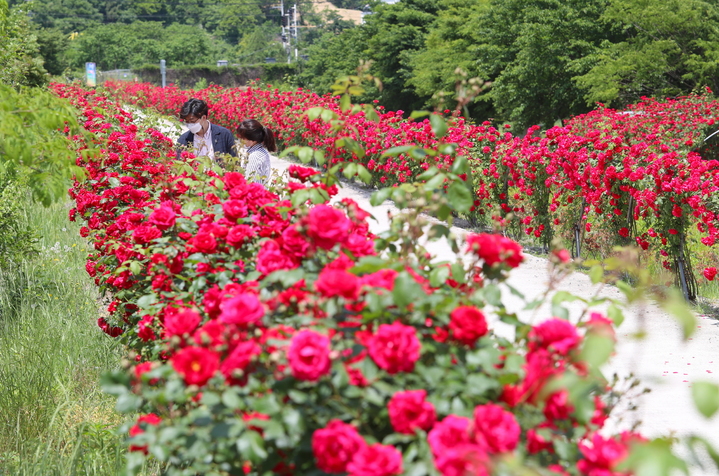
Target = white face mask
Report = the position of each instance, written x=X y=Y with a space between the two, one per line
x=194 y=128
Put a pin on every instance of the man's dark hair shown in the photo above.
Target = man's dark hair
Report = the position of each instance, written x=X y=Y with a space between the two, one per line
x=195 y=107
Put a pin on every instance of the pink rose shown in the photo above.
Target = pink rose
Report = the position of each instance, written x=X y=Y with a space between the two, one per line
x=495 y=427
x=242 y=310
x=327 y=226
x=557 y=406
x=181 y=321
x=395 y=347
x=309 y=355
x=163 y=217
x=462 y=460
x=271 y=258
x=234 y=209
x=409 y=410
x=467 y=324
x=376 y=460
x=555 y=334
x=334 y=446
x=301 y=173
x=359 y=245
x=239 y=234
x=384 y=278
x=450 y=432
x=337 y=282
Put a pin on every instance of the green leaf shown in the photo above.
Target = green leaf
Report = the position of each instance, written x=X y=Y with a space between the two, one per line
x=439 y=125
x=128 y=403
x=406 y=290
x=459 y=197
x=675 y=305
x=314 y=113
x=379 y=197
x=251 y=446
x=320 y=157
x=460 y=165
x=418 y=114
x=596 y=273
x=305 y=154
x=439 y=276
x=596 y=349
x=350 y=170
x=395 y=151
x=706 y=398
x=231 y=400
x=364 y=174
x=345 y=103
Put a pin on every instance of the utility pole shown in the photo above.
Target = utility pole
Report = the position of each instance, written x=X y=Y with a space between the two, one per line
x=297 y=35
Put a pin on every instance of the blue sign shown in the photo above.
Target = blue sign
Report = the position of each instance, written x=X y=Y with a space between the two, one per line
x=90 y=74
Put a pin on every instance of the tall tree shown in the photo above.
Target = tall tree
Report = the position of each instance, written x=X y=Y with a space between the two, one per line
x=20 y=60
x=670 y=47
x=531 y=50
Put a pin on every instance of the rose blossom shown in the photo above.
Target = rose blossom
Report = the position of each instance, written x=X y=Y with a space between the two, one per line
x=409 y=410
x=271 y=258
x=234 y=209
x=710 y=273
x=309 y=355
x=463 y=460
x=336 y=282
x=495 y=249
x=196 y=365
x=163 y=217
x=327 y=226
x=556 y=334
x=467 y=324
x=495 y=427
x=394 y=347
x=144 y=234
x=334 y=446
x=242 y=310
x=450 y=432
x=294 y=242
x=204 y=242
x=181 y=321
x=238 y=234
x=239 y=360
x=376 y=460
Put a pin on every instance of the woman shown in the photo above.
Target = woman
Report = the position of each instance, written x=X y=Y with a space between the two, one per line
x=259 y=141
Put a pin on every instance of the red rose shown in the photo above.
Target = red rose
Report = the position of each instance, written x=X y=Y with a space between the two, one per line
x=556 y=334
x=335 y=445
x=495 y=249
x=235 y=366
x=495 y=427
x=309 y=355
x=408 y=410
x=212 y=334
x=181 y=321
x=450 y=432
x=294 y=243
x=359 y=245
x=337 y=282
x=710 y=273
x=537 y=443
x=242 y=310
x=204 y=242
x=234 y=209
x=163 y=217
x=376 y=460
x=271 y=258
x=239 y=234
x=196 y=365
x=233 y=179
x=467 y=324
x=328 y=226
x=145 y=234
x=301 y=173
x=557 y=406
x=603 y=455
x=149 y=419
x=395 y=347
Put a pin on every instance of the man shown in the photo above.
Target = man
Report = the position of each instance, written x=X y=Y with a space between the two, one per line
x=202 y=137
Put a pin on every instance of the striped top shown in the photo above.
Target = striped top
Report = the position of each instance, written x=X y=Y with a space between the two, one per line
x=258 y=164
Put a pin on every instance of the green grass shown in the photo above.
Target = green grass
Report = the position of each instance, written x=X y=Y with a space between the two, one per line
x=54 y=419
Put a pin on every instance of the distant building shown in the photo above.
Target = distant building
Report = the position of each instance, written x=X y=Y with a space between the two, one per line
x=355 y=16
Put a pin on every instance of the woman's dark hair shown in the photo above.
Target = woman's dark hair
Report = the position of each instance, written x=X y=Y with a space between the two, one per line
x=251 y=129
x=195 y=107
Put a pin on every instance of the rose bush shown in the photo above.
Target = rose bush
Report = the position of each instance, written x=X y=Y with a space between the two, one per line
x=602 y=179
x=264 y=338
